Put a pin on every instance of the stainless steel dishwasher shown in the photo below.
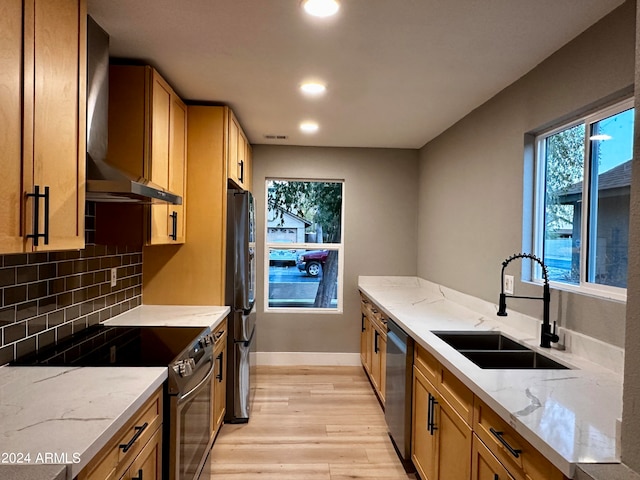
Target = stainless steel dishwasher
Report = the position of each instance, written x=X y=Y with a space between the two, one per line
x=399 y=391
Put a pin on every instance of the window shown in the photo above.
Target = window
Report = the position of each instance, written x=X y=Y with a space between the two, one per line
x=582 y=207
x=304 y=245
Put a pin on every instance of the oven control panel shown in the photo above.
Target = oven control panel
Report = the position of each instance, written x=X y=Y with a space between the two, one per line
x=185 y=367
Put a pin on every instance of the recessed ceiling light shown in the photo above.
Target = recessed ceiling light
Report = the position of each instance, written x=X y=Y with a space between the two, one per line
x=313 y=88
x=309 y=127
x=321 y=8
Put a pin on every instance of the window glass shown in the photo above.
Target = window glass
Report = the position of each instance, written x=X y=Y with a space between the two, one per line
x=304 y=245
x=611 y=153
x=564 y=161
x=583 y=187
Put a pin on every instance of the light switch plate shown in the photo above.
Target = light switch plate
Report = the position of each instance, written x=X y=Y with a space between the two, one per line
x=114 y=277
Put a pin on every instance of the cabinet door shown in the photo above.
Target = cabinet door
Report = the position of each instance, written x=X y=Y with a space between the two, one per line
x=363 y=338
x=382 y=345
x=178 y=168
x=484 y=465
x=148 y=464
x=232 y=148
x=423 y=441
x=454 y=438
x=375 y=357
x=11 y=78
x=159 y=162
x=54 y=128
x=220 y=390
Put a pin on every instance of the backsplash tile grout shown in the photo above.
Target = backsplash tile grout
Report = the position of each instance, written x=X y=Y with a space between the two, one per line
x=45 y=296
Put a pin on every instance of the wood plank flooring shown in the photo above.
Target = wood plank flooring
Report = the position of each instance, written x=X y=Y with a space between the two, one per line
x=309 y=423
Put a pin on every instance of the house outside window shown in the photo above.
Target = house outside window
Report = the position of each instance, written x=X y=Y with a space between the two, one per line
x=583 y=181
x=304 y=245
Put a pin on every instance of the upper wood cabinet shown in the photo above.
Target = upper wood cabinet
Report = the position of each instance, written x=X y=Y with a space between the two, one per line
x=147 y=138
x=43 y=124
x=238 y=154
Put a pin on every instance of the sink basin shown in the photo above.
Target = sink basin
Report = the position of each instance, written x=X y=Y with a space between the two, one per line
x=492 y=350
x=514 y=359
x=479 y=341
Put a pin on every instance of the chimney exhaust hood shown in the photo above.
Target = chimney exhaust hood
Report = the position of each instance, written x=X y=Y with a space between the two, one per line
x=105 y=183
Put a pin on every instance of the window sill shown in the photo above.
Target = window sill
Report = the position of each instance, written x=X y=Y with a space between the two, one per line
x=611 y=294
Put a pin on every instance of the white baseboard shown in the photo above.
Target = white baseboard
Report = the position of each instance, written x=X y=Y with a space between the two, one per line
x=306 y=358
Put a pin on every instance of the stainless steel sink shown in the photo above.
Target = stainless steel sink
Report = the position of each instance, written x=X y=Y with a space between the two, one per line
x=492 y=350
x=479 y=341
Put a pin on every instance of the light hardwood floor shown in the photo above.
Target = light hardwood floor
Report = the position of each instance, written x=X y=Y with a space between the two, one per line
x=309 y=423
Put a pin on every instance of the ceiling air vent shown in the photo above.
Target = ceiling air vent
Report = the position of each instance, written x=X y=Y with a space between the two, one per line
x=276 y=137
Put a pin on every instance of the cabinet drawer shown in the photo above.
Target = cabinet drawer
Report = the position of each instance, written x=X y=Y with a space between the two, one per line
x=520 y=458
x=220 y=332
x=427 y=364
x=484 y=464
x=117 y=455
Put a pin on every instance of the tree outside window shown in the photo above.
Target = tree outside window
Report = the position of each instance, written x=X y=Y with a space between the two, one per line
x=304 y=244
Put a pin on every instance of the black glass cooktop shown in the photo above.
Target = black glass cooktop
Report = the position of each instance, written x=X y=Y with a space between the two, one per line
x=117 y=346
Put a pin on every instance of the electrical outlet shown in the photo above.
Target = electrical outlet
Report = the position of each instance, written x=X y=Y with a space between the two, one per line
x=508 y=284
x=114 y=277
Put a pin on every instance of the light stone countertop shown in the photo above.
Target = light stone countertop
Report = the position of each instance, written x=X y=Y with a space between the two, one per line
x=570 y=416
x=171 y=316
x=70 y=412
x=64 y=411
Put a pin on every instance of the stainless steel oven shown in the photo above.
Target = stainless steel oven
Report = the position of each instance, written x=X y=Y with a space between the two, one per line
x=191 y=407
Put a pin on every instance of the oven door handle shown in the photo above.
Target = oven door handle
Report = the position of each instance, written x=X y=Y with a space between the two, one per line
x=195 y=390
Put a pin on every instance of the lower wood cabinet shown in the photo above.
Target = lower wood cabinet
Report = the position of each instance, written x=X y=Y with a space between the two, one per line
x=136 y=448
x=441 y=440
x=148 y=464
x=373 y=346
x=519 y=458
x=219 y=383
x=484 y=465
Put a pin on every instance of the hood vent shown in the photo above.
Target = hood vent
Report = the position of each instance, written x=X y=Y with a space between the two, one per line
x=105 y=183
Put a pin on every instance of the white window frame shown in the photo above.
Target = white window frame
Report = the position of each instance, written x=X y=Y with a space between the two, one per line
x=535 y=276
x=339 y=247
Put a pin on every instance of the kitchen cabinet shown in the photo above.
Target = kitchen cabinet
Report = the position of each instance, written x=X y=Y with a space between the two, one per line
x=147 y=138
x=239 y=154
x=441 y=438
x=219 y=393
x=373 y=346
x=484 y=465
x=43 y=111
x=517 y=456
x=137 y=447
x=194 y=274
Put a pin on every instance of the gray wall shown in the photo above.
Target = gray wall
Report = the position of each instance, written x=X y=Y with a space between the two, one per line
x=631 y=397
x=380 y=234
x=471 y=176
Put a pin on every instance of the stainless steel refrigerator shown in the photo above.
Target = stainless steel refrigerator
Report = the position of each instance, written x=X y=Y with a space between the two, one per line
x=240 y=296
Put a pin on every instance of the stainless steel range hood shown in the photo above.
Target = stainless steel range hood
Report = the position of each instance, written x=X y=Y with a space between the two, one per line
x=106 y=183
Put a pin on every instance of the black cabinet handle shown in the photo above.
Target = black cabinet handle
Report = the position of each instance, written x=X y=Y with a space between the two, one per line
x=363 y=328
x=126 y=446
x=515 y=452
x=139 y=477
x=174 y=226
x=36 y=235
x=241 y=171
x=375 y=341
x=431 y=414
x=496 y=477
x=219 y=375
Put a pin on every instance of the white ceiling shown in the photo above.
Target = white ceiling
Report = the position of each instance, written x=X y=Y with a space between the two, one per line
x=398 y=72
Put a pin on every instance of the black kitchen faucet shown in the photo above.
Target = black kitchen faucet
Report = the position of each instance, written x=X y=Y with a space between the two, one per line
x=547 y=336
